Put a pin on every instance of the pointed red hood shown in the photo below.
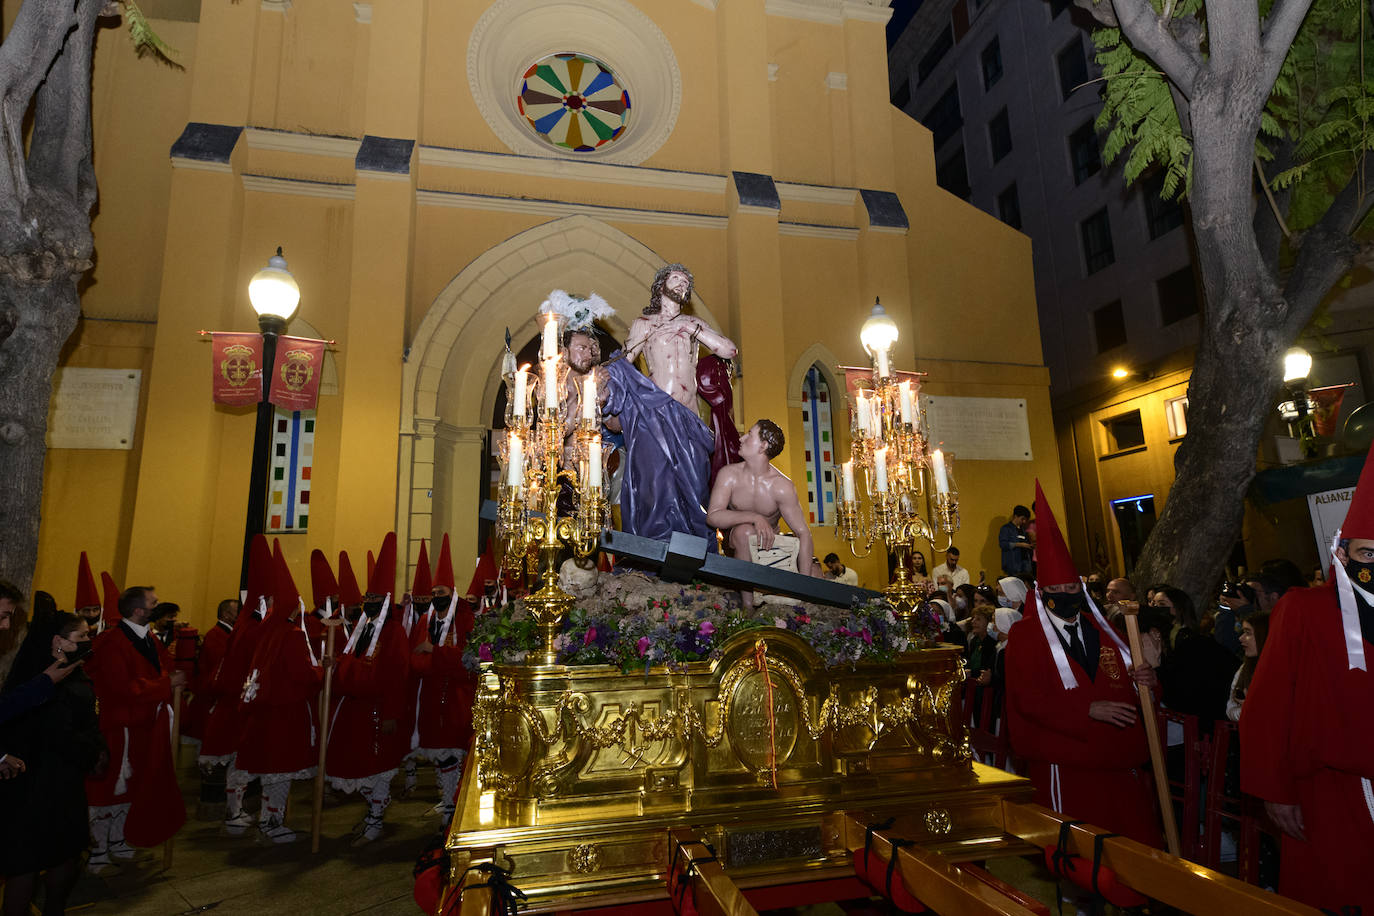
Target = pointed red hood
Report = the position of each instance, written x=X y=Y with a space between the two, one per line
x=87 y=595
x=349 y=593
x=424 y=582
x=285 y=597
x=1359 y=518
x=382 y=580
x=1054 y=565
x=322 y=582
x=443 y=573
x=110 y=603
x=260 y=573
x=484 y=573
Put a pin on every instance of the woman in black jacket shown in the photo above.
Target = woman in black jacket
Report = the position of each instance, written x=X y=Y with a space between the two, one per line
x=45 y=828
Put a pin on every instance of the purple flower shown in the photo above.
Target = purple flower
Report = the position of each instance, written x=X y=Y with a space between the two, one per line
x=643 y=645
x=706 y=628
x=484 y=652
x=868 y=637
x=589 y=636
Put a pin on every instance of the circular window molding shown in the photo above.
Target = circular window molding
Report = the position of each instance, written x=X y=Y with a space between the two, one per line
x=514 y=35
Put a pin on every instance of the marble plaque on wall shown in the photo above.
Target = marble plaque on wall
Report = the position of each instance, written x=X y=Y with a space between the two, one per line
x=93 y=408
x=978 y=429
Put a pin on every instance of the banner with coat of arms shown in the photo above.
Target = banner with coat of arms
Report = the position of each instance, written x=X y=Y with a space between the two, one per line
x=296 y=381
x=236 y=364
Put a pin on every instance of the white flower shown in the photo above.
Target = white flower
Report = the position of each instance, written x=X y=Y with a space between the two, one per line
x=250 y=687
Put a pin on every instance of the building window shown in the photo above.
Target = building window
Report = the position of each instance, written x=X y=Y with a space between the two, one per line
x=992 y=64
x=1109 y=326
x=952 y=174
x=1073 y=67
x=1097 y=241
x=944 y=118
x=288 y=479
x=1084 y=152
x=1176 y=410
x=1124 y=431
x=1177 y=295
x=931 y=59
x=999 y=135
x=1009 y=207
x=1163 y=215
x=902 y=97
x=819 y=447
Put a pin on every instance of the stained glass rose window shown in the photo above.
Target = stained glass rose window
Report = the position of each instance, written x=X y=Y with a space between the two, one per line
x=574 y=102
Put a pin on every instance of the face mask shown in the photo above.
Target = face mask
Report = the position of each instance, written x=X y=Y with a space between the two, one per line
x=441 y=602
x=82 y=650
x=372 y=609
x=1361 y=574
x=1065 y=605
x=1005 y=602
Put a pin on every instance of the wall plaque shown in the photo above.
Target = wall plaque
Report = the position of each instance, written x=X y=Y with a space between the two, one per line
x=978 y=429
x=93 y=408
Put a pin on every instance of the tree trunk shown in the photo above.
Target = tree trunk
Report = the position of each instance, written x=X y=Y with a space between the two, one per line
x=45 y=246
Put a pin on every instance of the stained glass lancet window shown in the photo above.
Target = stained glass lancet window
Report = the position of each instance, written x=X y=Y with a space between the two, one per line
x=820 y=448
x=293 y=458
x=574 y=102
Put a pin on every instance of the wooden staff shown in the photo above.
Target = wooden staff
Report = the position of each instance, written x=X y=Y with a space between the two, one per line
x=1147 y=710
x=317 y=816
x=176 y=746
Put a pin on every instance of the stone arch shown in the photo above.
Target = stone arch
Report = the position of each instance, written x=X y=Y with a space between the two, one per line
x=818 y=354
x=453 y=368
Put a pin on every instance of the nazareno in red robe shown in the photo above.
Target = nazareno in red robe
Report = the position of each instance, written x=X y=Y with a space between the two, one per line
x=1307 y=738
x=281 y=709
x=224 y=725
x=136 y=719
x=370 y=693
x=212 y=649
x=446 y=687
x=1084 y=769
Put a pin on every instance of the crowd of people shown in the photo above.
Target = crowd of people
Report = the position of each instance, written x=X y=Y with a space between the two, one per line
x=87 y=711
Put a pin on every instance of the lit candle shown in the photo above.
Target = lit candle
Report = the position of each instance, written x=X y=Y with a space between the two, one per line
x=937 y=463
x=880 y=469
x=884 y=370
x=551 y=384
x=589 y=399
x=862 y=403
x=847 y=478
x=594 y=463
x=908 y=403
x=515 y=462
x=549 y=348
x=520 y=401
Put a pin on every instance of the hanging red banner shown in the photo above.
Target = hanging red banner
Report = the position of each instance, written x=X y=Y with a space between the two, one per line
x=296 y=381
x=1327 y=403
x=236 y=366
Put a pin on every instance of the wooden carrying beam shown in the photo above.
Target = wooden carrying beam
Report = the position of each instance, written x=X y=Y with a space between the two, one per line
x=1153 y=872
x=715 y=894
x=938 y=883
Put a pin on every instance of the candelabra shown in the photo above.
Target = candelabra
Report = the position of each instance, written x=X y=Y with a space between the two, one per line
x=899 y=473
x=545 y=454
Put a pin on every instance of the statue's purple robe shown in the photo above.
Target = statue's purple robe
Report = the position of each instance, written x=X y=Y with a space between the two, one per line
x=667 y=457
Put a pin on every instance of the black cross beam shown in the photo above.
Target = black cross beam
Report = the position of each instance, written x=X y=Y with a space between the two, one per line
x=686 y=556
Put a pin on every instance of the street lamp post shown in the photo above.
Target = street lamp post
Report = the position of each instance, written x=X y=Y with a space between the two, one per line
x=275 y=295
x=1297 y=365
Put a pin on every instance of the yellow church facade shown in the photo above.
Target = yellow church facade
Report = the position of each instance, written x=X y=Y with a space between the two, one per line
x=404 y=155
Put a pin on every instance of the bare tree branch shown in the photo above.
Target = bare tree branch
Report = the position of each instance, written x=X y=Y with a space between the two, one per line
x=1102 y=11
x=1279 y=31
x=60 y=151
x=1150 y=34
x=35 y=39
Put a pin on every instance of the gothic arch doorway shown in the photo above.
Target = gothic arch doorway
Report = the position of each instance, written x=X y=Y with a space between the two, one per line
x=452 y=375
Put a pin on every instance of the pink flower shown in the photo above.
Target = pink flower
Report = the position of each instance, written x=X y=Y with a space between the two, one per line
x=643 y=645
x=868 y=637
x=589 y=636
x=484 y=652
x=706 y=628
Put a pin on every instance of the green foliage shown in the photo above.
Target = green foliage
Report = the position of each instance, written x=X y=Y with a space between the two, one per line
x=1321 y=107
x=146 y=41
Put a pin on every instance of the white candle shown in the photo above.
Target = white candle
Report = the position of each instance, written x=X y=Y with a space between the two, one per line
x=520 y=401
x=862 y=403
x=884 y=370
x=847 y=478
x=589 y=399
x=908 y=403
x=875 y=419
x=549 y=347
x=550 y=384
x=937 y=463
x=515 y=462
x=594 y=462
x=880 y=469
